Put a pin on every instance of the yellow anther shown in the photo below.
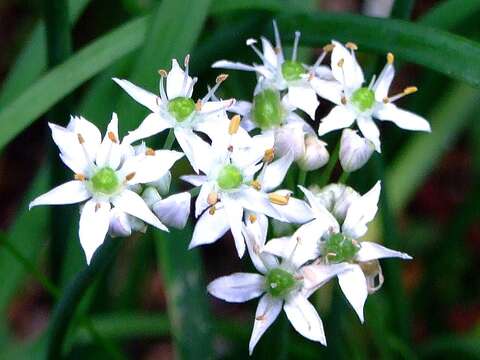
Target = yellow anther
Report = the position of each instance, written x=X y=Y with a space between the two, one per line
x=150 y=152
x=328 y=48
x=410 y=90
x=130 y=176
x=351 y=46
x=212 y=198
x=269 y=155
x=234 y=125
x=344 y=100
x=341 y=62
x=79 y=177
x=80 y=138
x=221 y=78
x=278 y=199
x=252 y=218
x=212 y=210
x=256 y=184
x=386 y=100
x=198 y=105
x=112 y=137
x=390 y=58
x=163 y=73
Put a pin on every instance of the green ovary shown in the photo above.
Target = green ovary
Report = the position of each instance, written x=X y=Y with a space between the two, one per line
x=339 y=248
x=279 y=283
x=363 y=99
x=105 y=181
x=229 y=177
x=292 y=70
x=267 y=111
x=181 y=108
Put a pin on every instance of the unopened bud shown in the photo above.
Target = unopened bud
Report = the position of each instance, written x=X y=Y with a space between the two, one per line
x=150 y=195
x=290 y=138
x=337 y=199
x=355 y=150
x=315 y=155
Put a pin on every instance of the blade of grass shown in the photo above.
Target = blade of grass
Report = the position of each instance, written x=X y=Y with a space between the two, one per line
x=402 y=9
x=449 y=14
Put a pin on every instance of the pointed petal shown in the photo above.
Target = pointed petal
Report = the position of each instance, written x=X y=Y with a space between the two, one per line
x=140 y=95
x=174 y=210
x=372 y=251
x=340 y=117
x=304 y=318
x=71 y=151
x=402 y=118
x=94 y=223
x=90 y=133
x=255 y=234
x=202 y=199
x=370 y=130
x=238 y=287
x=354 y=287
x=361 y=212
x=234 y=213
x=269 y=53
x=197 y=151
x=276 y=172
x=350 y=74
x=175 y=82
x=151 y=125
x=304 y=98
x=318 y=274
x=257 y=201
x=210 y=228
x=382 y=85
x=195 y=180
x=134 y=205
x=68 y=193
x=319 y=209
x=152 y=167
x=241 y=107
x=267 y=311
x=109 y=153
x=327 y=89
x=296 y=211
x=225 y=64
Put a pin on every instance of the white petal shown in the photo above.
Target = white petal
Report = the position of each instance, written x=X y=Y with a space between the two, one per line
x=234 y=213
x=316 y=275
x=304 y=318
x=296 y=211
x=290 y=137
x=210 y=228
x=215 y=107
x=195 y=180
x=361 y=212
x=119 y=224
x=134 y=205
x=255 y=234
x=371 y=251
x=71 y=151
x=355 y=150
x=402 y=118
x=354 y=287
x=330 y=90
x=238 y=287
x=340 y=117
x=197 y=151
x=94 y=223
x=225 y=64
x=140 y=95
x=109 y=153
x=174 y=210
x=90 y=133
x=242 y=108
x=304 y=98
x=68 y=193
x=202 y=199
x=151 y=125
x=152 y=167
x=319 y=209
x=267 y=311
x=176 y=85
x=383 y=82
x=257 y=201
x=350 y=74
x=276 y=172
x=269 y=53
x=370 y=130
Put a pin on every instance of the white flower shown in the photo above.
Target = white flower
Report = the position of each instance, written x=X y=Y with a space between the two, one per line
x=280 y=284
x=340 y=245
x=176 y=109
x=356 y=102
x=106 y=171
x=355 y=151
x=281 y=74
x=229 y=165
x=316 y=154
x=337 y=198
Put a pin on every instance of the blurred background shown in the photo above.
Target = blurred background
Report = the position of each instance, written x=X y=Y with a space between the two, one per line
x=149 y=301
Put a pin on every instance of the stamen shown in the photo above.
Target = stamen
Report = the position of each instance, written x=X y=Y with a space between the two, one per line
x=163 y=94
x=252 y=218
x=230 y=102
x=278 y=42
x=251 y=43
x=295 y=45
x=97 y=206
x=407 y=91
x=198 y=105
x=278 y=199
x=112 y=137
x=341 y=62
x=192 y=84
x=328 y=48
x=185 y=74
x=149 y=152
x=256 y=185
x=343 y=100
x=234 y=125
x=130 y=176
x=372 y=82
x=212 y=198
x=269 y=155
x=163 y=72
x=80 y=138
x=351 y=45
x=390 y=58
x=79 y=177
x=212 y=210
x=220 y=78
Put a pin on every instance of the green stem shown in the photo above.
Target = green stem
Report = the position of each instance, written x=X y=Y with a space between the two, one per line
x=327 y=173
x=344 y=177
x=302 y=177
x=169 y=140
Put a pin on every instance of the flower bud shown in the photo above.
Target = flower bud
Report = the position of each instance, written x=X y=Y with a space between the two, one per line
x=315 y=155
x=337 y=198
x=174 y=210
x=163 y=184
x=354 y=150
x=119 y=224
x=150 y=195
x=290 y=137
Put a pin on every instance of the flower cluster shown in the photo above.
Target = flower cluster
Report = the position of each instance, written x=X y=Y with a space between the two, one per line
x=241 y=153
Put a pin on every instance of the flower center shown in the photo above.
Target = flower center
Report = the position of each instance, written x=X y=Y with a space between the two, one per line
x=339 y=248
x=292 y=70
x=105 y=181
x=267 y=111
x=229 y=177
x=363 y=98
x=279 y=282
x=181 y=108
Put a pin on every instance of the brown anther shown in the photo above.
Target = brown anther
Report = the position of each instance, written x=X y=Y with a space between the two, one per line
x=80 y=138
x=112 y=137
x=410 y=90
x=212 y=198
x=212 y=210
x=234 y=125
x=278 y=199
x=163 y=73
x=252 y=218
x=386 y=100
x=260 y=318
x=269 y=155
x=351 y=46
x=390 y=58
x=130 y=176
x=311 y=76
x=97 y=206
x=341 y=62
x=221 y=78
x=230 y=148
x=256 y=185
x=277 y=50
x=79 y=177
x=198 y=105
x=299 y=277
x=328 y=48
x=149 y=152
x=344 y=100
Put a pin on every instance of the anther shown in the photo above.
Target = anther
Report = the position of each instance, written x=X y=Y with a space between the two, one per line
x=260 y=318
x=344 y=100
x=341 y=62
x=230 y=148
x=79 y=177
x=212 y=198
x=328 y=48
x=150 y=152
x=351 y=46
x=278 y=199
x=234 y=125
x=80 y=138
x=187 y=60
x=198 y=105
x=410 y=90
x=221 y=78
x=256 y=185
x=390 y=58
x=130 y=176
x=251 y=42
x=212 y=210
x=163 y=73
x=252 y=218
x=97 y=207
x=112 y=137
x=269 y=155
x=386 y=100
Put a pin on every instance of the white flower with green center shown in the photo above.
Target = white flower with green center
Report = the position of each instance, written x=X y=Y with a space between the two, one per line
x=106 y=171
x=360 y=103
x=176 y=109
x=229 y=165
x=341 y=245
x=282 y=74
x=280 y=285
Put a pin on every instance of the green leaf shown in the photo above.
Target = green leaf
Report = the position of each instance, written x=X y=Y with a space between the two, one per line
x=449 y=14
